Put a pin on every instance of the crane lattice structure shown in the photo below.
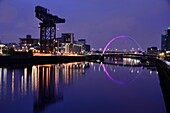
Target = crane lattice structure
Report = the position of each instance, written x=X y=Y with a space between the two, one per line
x=47 y=28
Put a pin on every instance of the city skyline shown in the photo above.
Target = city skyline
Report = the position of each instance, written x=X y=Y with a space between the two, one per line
x=96 y=21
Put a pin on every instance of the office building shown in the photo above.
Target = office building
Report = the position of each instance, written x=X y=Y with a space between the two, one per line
x=152 y=50
x=2 y=47
x=82 y=41
x=26 y=43
x=165 y=40
x=85 y=46
x=13 y=45
x=66 y=44
x=67 y=37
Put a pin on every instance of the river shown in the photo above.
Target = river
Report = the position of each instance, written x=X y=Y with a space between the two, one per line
x=80 y=87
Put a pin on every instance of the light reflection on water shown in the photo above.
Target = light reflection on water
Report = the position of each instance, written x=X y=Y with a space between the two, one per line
x=45 y=83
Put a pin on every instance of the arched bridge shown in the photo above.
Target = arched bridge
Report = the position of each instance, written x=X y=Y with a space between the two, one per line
x=110 y=55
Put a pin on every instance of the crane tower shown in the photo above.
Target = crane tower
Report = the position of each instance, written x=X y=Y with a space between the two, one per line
x=47 y=28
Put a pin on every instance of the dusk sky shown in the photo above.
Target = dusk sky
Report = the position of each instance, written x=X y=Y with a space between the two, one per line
x=98 y=21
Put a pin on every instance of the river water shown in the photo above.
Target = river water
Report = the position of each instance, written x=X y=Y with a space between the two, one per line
x=80 y=87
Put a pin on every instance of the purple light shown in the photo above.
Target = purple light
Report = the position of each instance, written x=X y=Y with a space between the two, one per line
x=116 y=81
x=119 y=37
x=104 y=50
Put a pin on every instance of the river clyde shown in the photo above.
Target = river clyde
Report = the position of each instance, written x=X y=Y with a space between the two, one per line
x=80 y=87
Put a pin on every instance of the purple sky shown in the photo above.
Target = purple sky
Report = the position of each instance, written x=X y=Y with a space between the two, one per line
x=98 y=21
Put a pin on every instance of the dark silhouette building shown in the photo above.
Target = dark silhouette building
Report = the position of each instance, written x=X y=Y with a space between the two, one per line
x=86 y=47
x=67 y=37
x=26 y=43
x=165 y=40
x=66 y=44
x=152 y=50
x=82 y=41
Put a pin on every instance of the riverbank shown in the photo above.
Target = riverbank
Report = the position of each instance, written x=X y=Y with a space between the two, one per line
x=6 y=61
x=164 y=77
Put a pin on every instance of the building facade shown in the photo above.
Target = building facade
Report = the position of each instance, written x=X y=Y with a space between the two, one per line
x=86 y=47
x=152 y=50
x=67 y=37
x=67 y=45
x=2 y=46
x=15 y=46
x=165 y=40
x=26 y=43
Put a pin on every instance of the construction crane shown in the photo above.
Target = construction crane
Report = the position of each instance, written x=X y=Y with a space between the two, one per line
x=47 y=28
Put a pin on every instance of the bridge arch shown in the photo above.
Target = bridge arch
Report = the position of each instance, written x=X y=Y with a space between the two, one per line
x=121 y=82
x=104 y=50
x=120 y=37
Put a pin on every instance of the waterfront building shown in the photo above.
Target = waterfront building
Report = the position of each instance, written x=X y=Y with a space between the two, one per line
x=2 y=46
x=73 y=48
x=165 y=40
x=26 y=43
x=14 y=46
x=152 y=50
x=66 y=44
x=58 y=44
x=82 y=41
x=77 y=48
x=86 y=47
x=67 y=37
x=67 y=40
x=67 y=47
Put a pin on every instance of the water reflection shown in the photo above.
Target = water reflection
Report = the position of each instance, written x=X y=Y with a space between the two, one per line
x=45 y=82
x=133 y=67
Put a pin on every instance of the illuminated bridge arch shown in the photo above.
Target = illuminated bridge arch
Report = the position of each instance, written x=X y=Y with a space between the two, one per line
x=120 y=37
x=104 y=50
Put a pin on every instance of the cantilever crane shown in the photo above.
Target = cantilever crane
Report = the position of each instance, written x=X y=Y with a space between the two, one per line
x=47 y=28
